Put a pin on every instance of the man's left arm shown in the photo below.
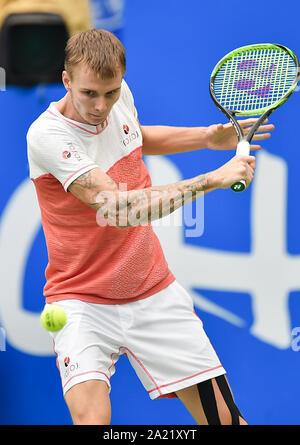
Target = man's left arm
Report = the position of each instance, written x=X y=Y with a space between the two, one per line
x=164 y=140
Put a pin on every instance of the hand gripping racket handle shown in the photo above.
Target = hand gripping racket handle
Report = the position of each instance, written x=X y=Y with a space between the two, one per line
x=243 y=148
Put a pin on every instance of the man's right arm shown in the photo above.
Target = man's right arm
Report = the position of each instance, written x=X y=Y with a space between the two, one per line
x=130 y=208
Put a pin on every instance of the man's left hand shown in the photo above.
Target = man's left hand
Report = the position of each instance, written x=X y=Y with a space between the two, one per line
x=223 y=136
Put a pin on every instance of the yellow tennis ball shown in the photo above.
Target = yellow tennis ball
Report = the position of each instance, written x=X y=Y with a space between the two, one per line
x=53 y=318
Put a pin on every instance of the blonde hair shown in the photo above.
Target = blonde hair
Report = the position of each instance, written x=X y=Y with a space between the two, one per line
x=100 y=50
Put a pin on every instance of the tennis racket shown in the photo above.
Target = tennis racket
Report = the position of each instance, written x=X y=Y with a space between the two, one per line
x=253 y=80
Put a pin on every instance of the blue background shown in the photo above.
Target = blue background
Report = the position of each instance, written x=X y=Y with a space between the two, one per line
x=172 y=47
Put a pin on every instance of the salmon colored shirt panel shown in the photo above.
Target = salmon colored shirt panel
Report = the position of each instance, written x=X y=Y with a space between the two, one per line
x=93 y=263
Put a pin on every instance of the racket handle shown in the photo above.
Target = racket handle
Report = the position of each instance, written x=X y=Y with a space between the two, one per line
x=243 y=148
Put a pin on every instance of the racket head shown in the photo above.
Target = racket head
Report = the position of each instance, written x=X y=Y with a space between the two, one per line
x=254 y=80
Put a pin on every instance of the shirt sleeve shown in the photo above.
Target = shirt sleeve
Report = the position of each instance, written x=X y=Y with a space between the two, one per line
x=56 y=152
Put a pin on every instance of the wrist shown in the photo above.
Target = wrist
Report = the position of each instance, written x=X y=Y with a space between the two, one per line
x=213 y=180
x=206 y=137
x=203 y=137
x=213 y=140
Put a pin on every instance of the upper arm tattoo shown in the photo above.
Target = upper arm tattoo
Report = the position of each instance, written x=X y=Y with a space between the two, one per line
x=88 y=185
x=89 y=181
x=85 y=180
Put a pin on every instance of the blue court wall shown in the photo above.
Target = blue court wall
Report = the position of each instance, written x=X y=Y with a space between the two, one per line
x=243 y=271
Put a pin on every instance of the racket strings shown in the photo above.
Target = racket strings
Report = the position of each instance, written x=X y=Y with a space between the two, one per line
x=253 y=80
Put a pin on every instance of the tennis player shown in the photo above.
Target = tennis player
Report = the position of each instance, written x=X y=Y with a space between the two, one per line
x=106 y=266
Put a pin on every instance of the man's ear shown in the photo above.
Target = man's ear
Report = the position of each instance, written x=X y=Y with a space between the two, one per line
x=66 y=80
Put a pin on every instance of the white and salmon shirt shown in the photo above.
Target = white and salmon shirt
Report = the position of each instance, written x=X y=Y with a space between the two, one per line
x=89 y=262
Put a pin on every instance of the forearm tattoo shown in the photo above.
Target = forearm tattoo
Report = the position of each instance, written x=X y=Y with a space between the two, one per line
x=139 y=207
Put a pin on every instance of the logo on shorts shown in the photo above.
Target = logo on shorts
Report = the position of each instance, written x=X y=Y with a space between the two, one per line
x=125 y=129
x=71 y=368
x=66 y=154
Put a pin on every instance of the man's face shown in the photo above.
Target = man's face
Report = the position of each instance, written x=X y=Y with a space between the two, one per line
x=92 y=98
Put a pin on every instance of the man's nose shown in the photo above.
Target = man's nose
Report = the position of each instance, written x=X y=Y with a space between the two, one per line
x=101 y=105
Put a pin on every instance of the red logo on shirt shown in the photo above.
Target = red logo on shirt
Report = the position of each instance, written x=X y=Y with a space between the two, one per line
x=66 y=361
x=71 y=152
x=66 y=154
x=125 y=129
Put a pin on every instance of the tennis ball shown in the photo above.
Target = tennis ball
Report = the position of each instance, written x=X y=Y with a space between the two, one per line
x=53 y=318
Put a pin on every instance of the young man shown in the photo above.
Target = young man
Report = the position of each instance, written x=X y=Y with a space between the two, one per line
x=106 y=267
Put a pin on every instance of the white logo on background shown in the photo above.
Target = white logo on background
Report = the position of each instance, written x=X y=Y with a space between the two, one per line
x=19 y=225
x=107 y=14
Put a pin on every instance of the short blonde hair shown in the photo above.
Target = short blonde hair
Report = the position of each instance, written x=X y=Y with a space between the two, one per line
x=99 y=49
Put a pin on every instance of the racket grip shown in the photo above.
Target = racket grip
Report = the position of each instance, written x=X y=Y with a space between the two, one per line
x=243 y=148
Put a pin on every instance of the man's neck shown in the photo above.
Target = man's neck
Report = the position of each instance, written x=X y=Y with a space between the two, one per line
x=66 y=108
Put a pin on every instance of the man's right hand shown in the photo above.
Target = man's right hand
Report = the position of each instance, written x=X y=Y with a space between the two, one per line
x=238 y=168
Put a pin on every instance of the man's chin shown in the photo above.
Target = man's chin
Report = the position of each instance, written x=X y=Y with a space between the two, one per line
x=95 y=120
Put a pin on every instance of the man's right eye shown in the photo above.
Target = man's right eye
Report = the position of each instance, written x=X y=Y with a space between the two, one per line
x=89 y=93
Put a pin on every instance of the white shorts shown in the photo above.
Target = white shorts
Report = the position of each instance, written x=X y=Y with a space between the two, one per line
x=161 y=335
